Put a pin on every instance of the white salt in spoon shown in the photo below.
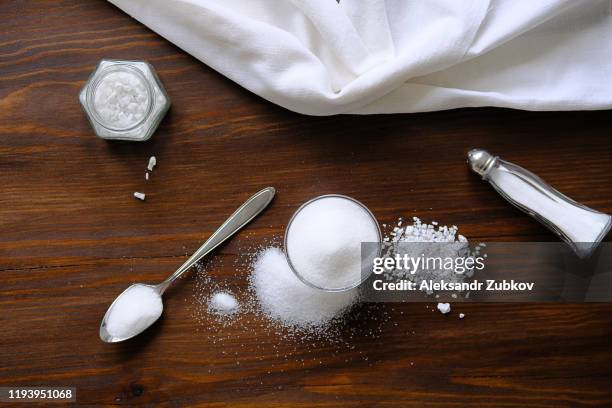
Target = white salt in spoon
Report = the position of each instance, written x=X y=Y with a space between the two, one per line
x=243 y=215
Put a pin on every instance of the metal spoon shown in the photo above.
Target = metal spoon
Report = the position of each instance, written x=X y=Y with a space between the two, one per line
x=243 y=215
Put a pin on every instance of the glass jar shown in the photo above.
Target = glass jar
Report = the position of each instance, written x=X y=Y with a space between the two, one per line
x=124 y=100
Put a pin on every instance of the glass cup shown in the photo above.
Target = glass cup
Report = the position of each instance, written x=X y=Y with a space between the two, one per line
x=366 y=270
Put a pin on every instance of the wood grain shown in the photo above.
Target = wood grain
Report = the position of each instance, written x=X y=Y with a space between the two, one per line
x=72 y=237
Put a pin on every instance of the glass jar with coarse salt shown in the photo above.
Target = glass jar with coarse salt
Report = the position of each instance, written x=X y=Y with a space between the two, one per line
x=124 y=100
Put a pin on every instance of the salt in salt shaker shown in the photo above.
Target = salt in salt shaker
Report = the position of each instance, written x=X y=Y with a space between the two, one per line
x=581 y=227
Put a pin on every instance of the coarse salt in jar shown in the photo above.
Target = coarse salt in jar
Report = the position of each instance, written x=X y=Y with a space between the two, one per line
x=124 y=100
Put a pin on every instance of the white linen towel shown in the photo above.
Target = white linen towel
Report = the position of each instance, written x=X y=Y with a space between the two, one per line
x=320 y=57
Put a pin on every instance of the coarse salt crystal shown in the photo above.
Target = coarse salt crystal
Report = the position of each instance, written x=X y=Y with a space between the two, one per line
x=152 y=163
x=420 y=239
x=444 y=308
x=140 y=196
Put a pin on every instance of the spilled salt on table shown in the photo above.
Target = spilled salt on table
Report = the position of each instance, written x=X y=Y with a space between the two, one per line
x=433 y=240
x=284 y=298
x=223 y=303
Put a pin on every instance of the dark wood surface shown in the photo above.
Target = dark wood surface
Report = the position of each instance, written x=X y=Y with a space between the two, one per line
x=72 y=237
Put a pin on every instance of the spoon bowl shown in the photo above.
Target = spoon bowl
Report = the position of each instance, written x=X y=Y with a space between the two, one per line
x=106 y=336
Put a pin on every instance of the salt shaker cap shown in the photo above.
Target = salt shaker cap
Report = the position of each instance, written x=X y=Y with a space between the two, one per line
x=480 y=161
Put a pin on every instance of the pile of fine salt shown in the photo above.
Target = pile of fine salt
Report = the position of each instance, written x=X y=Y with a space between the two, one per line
x=133 y=311
x=121 y=99
x=324 y=241
x=286 y=299
x=223 y=303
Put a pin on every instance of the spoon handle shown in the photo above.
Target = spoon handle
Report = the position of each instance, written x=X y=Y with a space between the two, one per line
x=242 y=216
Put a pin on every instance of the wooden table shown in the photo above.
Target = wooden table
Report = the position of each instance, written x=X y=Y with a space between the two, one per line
x=72 y=236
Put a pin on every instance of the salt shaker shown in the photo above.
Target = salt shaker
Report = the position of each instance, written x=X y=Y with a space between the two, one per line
x=124 y=100
x=581 y=227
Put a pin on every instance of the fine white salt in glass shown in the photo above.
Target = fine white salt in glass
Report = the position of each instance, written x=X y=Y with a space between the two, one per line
x=323 y=242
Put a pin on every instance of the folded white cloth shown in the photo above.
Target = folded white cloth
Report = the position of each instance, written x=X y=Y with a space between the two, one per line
x=320 y=57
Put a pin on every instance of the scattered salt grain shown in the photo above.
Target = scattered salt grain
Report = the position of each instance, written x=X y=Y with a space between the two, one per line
x=287 y=300
x=223 y=303
x=152 y=163
x=147 y=175
x=140 y=196
x=324 y=241
x=134 y=311
x=444 y=308
x=461 y=315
